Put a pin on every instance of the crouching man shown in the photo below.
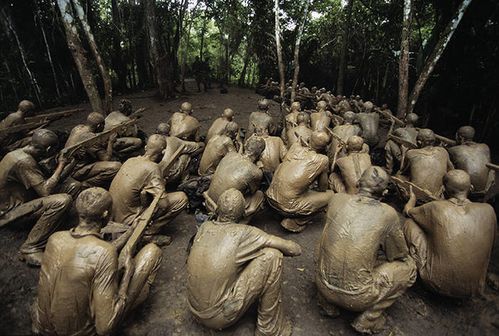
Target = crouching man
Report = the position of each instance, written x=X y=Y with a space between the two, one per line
x=451 y=240
x=349 y=273
x=79 y=291
x=232 y=265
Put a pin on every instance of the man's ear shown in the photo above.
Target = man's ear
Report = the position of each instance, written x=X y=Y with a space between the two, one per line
x=105 y=214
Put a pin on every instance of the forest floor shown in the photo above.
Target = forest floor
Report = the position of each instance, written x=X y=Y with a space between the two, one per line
x=166 y=312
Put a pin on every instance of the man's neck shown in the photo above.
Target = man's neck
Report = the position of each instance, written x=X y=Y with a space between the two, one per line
x=86 y=228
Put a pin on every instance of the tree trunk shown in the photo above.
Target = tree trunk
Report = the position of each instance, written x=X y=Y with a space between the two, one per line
x=404 y=59
x=203 y=32
x=242 y=77
x=117 y=58
x=76 y=48
x=280 y=61
x=47 y=48
x=108 y=88
x=10 y=26
x=296 y=60
x=436 y=54
x=157 y=62
x=344 y=46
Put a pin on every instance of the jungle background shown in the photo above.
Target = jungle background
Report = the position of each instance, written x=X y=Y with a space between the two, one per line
x=347 y=46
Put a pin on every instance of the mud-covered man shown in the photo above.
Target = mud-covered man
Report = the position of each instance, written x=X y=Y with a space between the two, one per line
x=239 y=171
x=218 y=146
x=183 y=125
x=137 y=183
x=349 y=272
x=261 y=119
x=290 y=193
x=451 y=240
x=231 y=266
x=95 y=167
x=27 y=196
x=80 y=291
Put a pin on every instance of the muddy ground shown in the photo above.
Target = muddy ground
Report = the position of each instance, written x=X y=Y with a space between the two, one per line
x=418 y=312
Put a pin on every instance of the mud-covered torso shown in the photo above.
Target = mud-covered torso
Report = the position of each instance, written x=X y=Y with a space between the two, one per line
x=216 y=149
x=472 y=158
x=355 y=228
x=460 y=239
x=428 y=167
x=184 y=126
x=352 y=167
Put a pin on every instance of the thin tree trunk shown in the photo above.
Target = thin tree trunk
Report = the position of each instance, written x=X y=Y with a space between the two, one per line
x=280 y=61
x=203 y=32
x=344 y=46
x=404 y=59
x=10 y=26
x=76 y=48
x=296 y=60
x=47 y=48
x=117 y=58
x=150 y=14
x=242 y=77
x=108 y=88
x=436 y=54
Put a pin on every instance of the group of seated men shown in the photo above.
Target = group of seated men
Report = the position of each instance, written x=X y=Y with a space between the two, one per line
x=306 y=164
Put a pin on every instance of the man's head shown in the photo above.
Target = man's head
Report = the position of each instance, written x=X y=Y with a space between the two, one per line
x=354 y=144
x=186 y=108
x=368 y=106
x=426 y=137
x=25 y=106
x=322 y=105
x=42 y=141
x=295 y=106
x=457 y=183
x=374 y=181
x=411 y=119
x=348 y=117
x=230 y=206
x=125 y=107
x=465 y=133
x=95 y=121
x=254 y=148
x=301 y=118
x=94 y=206
x=228 y=114
x=319 y=140
x=154 y=147
x=163 y=129
x=263 y=104
x=231 y=129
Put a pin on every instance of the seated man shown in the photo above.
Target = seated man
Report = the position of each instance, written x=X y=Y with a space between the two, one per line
x=428 y=164
x=273 y=154
x=472 y=157
x=394 y=151
x=451 y=240
x=24 y=109
x=222 y=283
x=349 y=272
x=289 y=192
x=301 y=130
x=183 y=125
x=127 y=141
x=343 y=133
x=239 y=171
x=321 y=119
x=80 y=291
x=261 y=119
x=291 y=117
x=94 y=167
x=369 y=123
x=27 y=196
x=218 y=146
x=218 y=126
x=179 y=171
x=137 y=183
x=351 y=167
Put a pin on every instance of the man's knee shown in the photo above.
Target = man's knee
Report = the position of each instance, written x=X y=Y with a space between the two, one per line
x=149 y=254
x=58 y=201
x=273 y=254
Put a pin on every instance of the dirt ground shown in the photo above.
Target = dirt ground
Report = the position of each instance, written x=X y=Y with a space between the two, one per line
x=166 y=312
